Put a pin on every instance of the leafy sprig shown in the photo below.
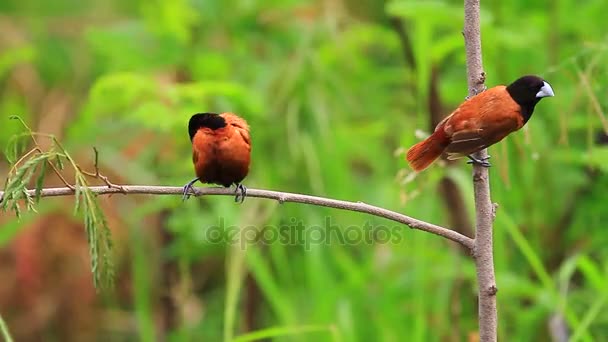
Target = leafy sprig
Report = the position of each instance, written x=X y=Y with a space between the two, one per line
x=36 y=161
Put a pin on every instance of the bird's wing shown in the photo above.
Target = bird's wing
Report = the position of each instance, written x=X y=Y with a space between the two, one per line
x=240 y=125
x=482 y=121
x=194 y=156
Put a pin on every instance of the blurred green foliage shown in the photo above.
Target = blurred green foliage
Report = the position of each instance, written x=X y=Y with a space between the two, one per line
x=333 y=91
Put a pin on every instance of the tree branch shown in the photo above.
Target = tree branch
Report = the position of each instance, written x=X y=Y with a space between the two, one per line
x=282 y=197
x=484 y=210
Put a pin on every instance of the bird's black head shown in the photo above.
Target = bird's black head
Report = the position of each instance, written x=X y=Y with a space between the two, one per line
x=527 y=91
x=209 y=120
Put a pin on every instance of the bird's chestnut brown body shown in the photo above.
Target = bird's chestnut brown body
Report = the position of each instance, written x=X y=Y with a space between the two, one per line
x=481 y=121
x=221 y=148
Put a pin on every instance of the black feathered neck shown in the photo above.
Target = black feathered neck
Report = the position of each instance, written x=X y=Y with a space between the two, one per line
x=209 y=120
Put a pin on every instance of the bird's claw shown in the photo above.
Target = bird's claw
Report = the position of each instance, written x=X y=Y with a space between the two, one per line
x=186 y=192
x=188 y=188
x=482 y=162
x=240 y=193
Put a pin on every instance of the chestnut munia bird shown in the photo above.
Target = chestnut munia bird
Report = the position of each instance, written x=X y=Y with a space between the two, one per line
x=481 y=121
x=221 y=148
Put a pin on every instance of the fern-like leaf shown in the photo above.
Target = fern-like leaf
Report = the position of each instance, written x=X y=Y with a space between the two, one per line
x=40 y=180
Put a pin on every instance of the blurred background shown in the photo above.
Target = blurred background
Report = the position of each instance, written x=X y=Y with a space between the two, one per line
x=334 y=91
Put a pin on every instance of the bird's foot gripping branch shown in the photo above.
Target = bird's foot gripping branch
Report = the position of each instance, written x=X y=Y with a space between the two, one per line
x=483 y=161
x=32 y=166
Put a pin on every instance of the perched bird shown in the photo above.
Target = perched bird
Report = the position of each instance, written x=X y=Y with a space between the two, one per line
x=481 y=121
x=221 y=148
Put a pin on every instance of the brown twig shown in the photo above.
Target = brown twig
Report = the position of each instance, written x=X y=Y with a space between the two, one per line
x=98 y=175
x=484 y=210
x=282 y=197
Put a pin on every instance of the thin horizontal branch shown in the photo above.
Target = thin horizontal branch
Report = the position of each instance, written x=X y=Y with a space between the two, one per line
x=282 y=197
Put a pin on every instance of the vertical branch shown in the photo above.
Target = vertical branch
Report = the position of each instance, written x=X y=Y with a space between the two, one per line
x=484 y=211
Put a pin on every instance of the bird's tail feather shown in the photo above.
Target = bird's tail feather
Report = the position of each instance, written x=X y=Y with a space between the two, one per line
x=421 y=155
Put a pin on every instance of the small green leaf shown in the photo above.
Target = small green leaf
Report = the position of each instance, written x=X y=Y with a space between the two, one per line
x=16 y=209
x=12 y=153
x=15 y=146
x=59 y=163
x=4 y=330
x=98 y=234
x=29 y=201
x=40 y=180
x=77 y=195
x=25 y=172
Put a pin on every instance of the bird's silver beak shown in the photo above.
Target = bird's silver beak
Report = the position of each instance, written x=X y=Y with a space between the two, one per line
x=545 y=91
